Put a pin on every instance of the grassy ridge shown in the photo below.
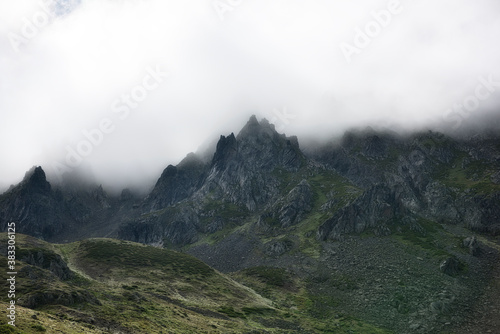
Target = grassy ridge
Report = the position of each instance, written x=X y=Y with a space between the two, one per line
x=131 y=256
x=119 y=286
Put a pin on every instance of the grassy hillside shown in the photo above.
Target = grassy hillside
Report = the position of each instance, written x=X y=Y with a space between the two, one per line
x=112 y=286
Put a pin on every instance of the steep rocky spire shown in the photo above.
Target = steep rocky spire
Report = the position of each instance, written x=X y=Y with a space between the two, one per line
x=35 y=179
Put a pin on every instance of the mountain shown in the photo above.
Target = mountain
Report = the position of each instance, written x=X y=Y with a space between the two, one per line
x=398 y=231
x=72 y=211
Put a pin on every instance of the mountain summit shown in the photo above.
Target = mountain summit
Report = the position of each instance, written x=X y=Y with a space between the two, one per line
x=347 y=215
x=35 y=179
x=239 y=171
x=258 y=171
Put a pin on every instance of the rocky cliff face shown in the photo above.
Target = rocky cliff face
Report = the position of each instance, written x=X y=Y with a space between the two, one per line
x=387 y=224
x=198 y=198
x=367 y=180
x=177 y=183
x=33 y=205
x=63 y=213
x=242 y=166
x=427 y=176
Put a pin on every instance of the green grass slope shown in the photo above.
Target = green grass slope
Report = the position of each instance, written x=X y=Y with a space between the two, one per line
x=124 y=287
x=112 y=286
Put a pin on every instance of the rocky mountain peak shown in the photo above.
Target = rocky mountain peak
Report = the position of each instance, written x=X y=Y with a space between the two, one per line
x=35 y=179
x=254 y=128
x=227 y=148
x=259 y=144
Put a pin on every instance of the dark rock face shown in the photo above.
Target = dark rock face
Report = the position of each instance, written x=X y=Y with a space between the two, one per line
x=377 y=206
x=495 y=178
x=176 y=232
x=290 y=209
x=349 y=157
x=177 y=183
x=489 y=209
x=58 y=297
x=262 y=174
x=418 y=171
x=297 y=204
x=197 y=197
x=33 y=206
x=62 y=213
x=241 y=170
x=278 y=247
x=451 y=266
x=37 y=181
x=48 y=260
x=473 y=245
x=226 y=151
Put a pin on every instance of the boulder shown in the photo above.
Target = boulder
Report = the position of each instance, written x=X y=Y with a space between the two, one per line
x=451 y=266
x=472 y=244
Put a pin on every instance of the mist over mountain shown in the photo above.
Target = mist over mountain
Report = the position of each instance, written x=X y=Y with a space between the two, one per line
x=423 y=206
x=158 y=79
x=246 y=170
x=250 y=167
x=142 y=181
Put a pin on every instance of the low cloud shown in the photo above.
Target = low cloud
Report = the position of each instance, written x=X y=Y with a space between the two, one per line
x=283 y=60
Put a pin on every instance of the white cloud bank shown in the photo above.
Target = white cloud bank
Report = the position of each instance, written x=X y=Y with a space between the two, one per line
x=82 y=63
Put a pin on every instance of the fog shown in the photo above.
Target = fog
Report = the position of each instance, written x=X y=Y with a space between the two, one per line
x=132 y=86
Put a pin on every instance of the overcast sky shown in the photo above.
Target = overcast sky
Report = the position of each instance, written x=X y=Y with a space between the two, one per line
x=158 y=78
